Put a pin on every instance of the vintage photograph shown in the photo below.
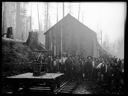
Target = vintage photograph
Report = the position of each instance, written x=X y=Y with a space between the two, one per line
x=52 y=48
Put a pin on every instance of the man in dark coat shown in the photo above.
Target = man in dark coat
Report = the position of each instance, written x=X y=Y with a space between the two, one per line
x=75 y=67
x=68 y=63
x=58 y=64
x=89 y=68
x=49 y=63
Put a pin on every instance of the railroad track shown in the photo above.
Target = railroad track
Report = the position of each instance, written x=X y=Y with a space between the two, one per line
x=67 y=87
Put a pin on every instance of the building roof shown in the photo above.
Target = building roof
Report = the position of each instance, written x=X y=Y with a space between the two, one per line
x=69 y=18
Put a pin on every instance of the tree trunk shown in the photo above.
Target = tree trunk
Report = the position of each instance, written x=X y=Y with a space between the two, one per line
x=79 y=12
x=101 y=36
x=34 y=43
x=57 y=12
x=70 y=8
x=3 y=13
x=38 y=17
x=32 y=40
x=63 y=9
x=18 y=22
x=4 y=18
x=31 y=18
x=47 y=16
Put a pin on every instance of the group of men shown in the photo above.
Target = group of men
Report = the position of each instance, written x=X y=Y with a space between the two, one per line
x=101 y=70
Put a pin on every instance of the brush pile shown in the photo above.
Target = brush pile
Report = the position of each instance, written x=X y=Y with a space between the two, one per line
x=17 y=58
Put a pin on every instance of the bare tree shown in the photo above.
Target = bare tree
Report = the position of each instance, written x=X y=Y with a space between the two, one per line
x=38 y=17
x=18 y=20
x=47 y=16
x=101 y=36
x=79 y=12
x=57 y=11
x=31 y=18
x=23 y=21
x=70 y=8
x=54 y=41
x=3 y=17
x=63 y=9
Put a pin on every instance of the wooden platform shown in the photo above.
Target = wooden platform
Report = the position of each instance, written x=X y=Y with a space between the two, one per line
x=30 y=82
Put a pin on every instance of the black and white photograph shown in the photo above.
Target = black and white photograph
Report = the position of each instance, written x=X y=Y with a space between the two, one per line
x=56 y=48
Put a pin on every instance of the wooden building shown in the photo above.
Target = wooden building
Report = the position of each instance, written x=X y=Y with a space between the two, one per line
x=71 y=37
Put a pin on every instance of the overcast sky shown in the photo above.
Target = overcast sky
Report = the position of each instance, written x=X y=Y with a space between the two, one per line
x=108 y=17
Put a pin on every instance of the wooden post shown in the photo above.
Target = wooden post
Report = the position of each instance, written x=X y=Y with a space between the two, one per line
x=62 y=34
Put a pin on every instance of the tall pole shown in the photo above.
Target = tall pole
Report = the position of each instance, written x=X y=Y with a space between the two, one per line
x=61 y=40
x=62 y=34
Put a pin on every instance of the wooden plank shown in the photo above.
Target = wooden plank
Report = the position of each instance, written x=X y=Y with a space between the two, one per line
x=30 y=76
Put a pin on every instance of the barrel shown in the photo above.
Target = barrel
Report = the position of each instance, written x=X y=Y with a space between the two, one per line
x=36 y=68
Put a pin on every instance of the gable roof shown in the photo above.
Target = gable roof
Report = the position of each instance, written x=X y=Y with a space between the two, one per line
x=67 y=18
